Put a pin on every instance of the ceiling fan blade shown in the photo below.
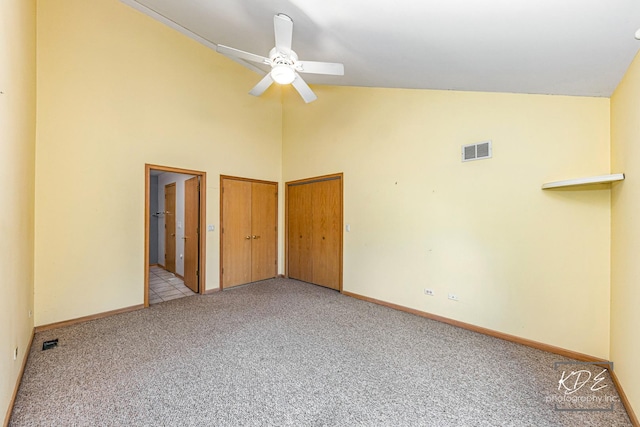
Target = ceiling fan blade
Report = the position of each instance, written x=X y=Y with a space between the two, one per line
x=262 y=85
x=303 y=89
x=229 y=51
x=283 y=26
x=314 y=67
x=247 y=64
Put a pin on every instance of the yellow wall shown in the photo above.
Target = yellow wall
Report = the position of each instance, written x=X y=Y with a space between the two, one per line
x=625 y=263
x=116 y=90
x=523 y=261
x=17 y=154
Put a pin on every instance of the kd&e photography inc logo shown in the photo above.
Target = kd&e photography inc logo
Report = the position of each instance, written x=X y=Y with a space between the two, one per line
x=583 y=387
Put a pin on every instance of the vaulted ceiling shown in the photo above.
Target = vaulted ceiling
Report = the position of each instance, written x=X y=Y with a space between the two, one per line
x=564 y=47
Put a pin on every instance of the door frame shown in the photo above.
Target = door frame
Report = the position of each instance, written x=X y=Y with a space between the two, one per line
x=260 y=181
x=339 y=176
x=202 y=223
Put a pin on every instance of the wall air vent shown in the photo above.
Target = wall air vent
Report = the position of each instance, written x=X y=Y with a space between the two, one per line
x=479 y=151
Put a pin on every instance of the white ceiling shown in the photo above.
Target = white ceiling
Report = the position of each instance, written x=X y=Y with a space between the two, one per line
x=565 y=47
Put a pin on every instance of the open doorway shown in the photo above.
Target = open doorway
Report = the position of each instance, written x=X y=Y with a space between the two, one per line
x=175 y=216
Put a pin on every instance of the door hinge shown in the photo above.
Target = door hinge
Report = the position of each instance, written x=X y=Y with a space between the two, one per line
x=197 y=273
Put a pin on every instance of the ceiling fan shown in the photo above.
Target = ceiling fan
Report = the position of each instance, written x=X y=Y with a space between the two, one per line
x=284 y=62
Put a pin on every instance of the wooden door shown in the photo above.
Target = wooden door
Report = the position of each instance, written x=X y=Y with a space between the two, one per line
x=236 y=232
x=299 y=258
x=170 y=227
x=314 y=231
x=326 y=232
x=264 y=219
x=191 y=233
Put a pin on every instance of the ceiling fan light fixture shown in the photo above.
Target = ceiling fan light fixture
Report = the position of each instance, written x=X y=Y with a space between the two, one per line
x=283 y=74
x=283 y=61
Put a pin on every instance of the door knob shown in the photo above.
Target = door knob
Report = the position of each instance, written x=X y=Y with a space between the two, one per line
x=256 y=237
x=248 y=237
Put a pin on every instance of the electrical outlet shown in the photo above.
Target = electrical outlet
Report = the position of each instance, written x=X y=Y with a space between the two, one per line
x=428 y=292
x=15 y=354
x=454 y=297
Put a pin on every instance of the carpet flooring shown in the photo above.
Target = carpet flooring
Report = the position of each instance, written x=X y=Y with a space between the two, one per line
x=285 y=353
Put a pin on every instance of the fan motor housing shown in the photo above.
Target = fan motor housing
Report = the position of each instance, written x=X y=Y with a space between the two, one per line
x=279 y=58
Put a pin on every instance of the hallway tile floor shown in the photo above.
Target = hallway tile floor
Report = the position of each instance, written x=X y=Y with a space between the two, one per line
x=165 y=286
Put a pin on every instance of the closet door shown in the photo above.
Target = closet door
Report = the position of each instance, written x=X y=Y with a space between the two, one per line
x=264 y=217
x=299 y=232
x=249 y=231
x=314 y=231
x=326 y=232
x=236 y=233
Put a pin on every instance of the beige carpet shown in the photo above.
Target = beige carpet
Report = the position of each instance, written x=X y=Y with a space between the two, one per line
x=286 y=353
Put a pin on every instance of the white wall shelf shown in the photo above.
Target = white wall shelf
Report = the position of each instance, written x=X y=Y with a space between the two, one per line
x=590 y=180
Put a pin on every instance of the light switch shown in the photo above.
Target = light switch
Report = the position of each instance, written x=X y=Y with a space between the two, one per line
x=348 y=228
x=211 y=227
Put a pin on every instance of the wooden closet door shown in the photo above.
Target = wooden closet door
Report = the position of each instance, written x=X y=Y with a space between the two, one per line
x=299 y=260
x=264 y=200
x=236 y=232
x=326 y=235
